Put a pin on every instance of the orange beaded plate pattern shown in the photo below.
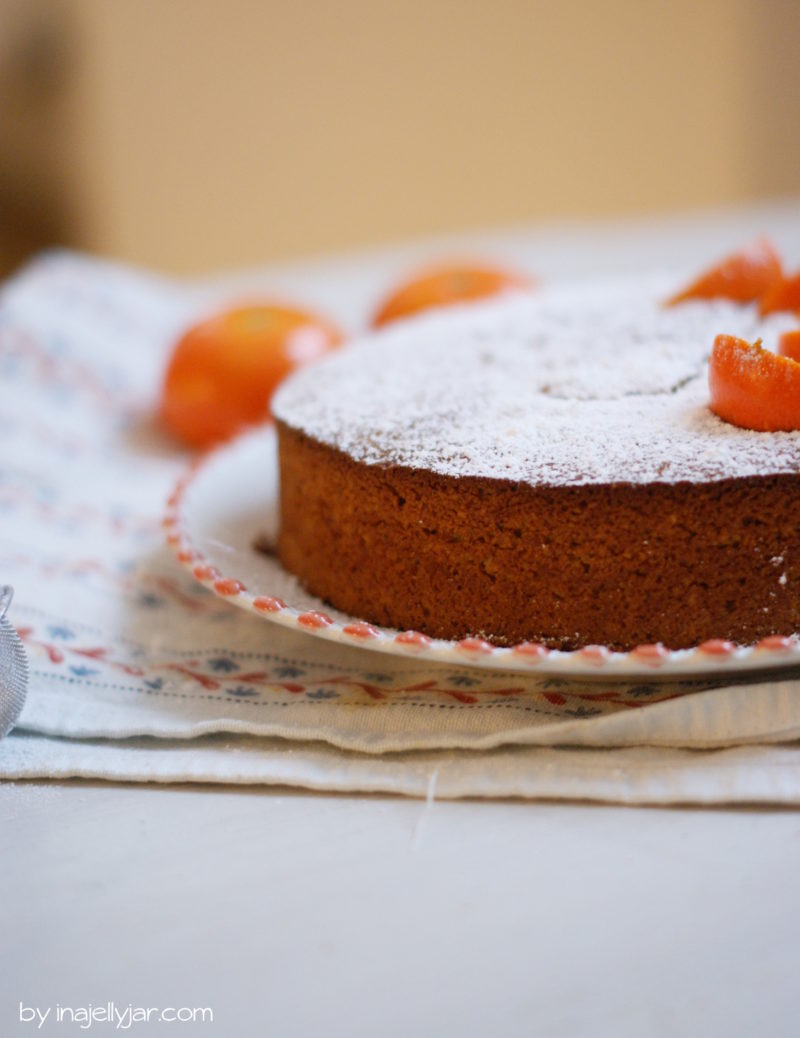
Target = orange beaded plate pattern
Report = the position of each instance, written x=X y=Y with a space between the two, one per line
x=220 y=519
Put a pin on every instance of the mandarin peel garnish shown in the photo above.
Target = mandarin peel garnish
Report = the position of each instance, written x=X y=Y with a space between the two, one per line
x=783 y=295
x=744 y=276
x=752 y=387
x=789 y=344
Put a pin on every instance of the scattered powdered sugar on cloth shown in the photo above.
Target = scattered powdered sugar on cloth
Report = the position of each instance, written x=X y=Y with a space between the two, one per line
x=567 y=386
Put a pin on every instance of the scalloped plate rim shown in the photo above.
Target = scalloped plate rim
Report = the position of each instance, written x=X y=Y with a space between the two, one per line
x=594 y=662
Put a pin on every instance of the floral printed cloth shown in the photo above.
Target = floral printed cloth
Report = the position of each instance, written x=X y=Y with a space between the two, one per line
x=138 y=673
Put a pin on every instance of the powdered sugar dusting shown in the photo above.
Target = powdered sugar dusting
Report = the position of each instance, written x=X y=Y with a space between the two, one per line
x=569 y=386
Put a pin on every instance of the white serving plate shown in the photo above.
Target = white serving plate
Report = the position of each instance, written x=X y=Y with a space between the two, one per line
x=228 y=501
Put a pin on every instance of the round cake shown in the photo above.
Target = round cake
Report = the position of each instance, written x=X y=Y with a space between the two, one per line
x=542 y=468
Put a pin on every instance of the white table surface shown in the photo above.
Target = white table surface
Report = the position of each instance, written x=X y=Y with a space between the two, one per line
x=304 y=914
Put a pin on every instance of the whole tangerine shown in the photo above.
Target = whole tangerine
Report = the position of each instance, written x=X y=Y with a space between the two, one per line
x=445 y=285
x=224 y=370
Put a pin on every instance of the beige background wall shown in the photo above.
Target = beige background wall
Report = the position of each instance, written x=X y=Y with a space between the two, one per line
x=197 y=134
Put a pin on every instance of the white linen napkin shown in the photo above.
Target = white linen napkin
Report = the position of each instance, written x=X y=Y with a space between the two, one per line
x=138 y=673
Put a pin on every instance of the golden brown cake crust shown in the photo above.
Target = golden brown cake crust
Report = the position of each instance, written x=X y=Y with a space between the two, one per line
x=620 y=564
